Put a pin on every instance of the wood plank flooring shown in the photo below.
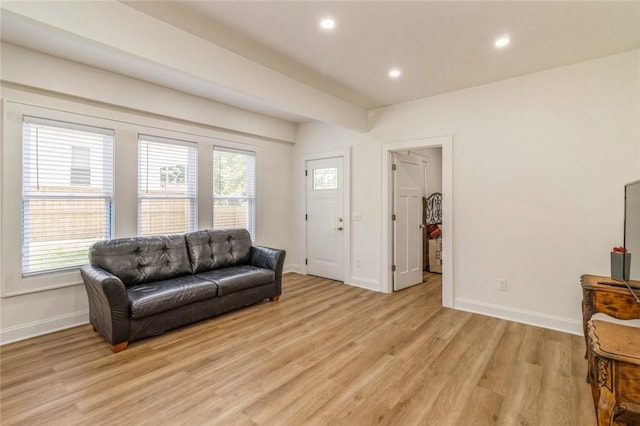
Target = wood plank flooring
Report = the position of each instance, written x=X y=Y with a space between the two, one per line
x=325 y=354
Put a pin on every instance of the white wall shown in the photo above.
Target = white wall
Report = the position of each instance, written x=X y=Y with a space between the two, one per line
x=539 y=164
x=319 y=138
x=30 y=314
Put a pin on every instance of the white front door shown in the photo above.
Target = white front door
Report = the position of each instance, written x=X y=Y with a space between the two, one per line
x=325 y=220
x=407 y=232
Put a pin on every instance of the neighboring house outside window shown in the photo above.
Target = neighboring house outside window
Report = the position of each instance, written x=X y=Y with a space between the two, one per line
x=234 y=192
x=80 y=165
x=167 y=188
x=67 y=190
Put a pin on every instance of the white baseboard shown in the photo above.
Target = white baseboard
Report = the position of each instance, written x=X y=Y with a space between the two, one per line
x=45 y=326
x=50 y=325
x=551 y=322
x=365 y=283
x=292 y=268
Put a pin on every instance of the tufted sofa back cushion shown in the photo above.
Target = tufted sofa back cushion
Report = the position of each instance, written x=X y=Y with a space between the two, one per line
x=217 y=249
x=142 y=259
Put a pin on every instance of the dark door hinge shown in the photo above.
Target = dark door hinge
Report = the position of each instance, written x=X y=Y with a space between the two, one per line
x=393 y=167
x=306 y=217
x=393 y=268
x=393 y=217
x=306 y=261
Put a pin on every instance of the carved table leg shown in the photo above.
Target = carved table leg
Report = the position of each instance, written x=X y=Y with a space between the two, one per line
x=606 y=400
x=605 y=409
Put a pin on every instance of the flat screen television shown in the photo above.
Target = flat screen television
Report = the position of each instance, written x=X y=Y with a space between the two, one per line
x=632 y=228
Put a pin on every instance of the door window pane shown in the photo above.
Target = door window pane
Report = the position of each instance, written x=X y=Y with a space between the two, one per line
x=325 y=178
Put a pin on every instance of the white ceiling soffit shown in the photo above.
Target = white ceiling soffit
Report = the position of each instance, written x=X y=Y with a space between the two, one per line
x=27 y=33
x=165 y=55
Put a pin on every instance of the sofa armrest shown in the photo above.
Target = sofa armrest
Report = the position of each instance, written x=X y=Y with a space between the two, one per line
x=269 y=258
x=108 y=304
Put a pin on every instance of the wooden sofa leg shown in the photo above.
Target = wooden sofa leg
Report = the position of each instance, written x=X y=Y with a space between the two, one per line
x=274 y=298
x=119 y=347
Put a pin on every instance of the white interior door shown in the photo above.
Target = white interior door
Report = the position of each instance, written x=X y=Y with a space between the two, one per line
x=407 y=232
x=325 y=220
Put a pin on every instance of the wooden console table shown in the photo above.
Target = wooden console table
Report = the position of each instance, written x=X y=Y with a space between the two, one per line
x=607 y=296
x=602 y=294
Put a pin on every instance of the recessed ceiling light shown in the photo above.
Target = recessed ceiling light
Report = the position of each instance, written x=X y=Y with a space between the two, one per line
x=502 y=42
x=394 y=73
x=328 y=23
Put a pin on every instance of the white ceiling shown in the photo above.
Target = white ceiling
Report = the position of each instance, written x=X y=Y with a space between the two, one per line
x=440 y=46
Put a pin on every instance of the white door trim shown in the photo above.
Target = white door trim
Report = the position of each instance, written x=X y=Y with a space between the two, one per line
x=446 y=142
x=346 y=163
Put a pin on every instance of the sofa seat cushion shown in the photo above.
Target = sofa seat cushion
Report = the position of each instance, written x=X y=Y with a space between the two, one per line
x=151 y=298
x=238 y=278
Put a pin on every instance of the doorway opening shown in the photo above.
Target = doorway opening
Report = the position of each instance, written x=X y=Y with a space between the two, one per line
x=446 y=143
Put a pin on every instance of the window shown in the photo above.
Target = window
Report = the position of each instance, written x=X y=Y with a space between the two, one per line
x=424 y=178
x=67 y=181
x=325 y=178
x=166 y=186
x=234 y=192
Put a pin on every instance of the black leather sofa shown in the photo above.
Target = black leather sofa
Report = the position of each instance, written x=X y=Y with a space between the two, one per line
x=143 y=286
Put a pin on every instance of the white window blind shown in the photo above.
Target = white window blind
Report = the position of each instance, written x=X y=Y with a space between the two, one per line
x=67 y=189
x=166 y=186
x=424 y=178
x=234 y=193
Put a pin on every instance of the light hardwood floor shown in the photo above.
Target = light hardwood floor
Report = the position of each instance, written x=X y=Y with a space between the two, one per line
x=326 y=353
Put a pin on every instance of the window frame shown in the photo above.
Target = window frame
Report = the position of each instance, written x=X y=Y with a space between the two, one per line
x=14 y=282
